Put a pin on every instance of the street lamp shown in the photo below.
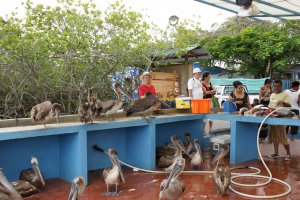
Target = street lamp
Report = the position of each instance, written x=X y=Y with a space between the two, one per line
x=173 y=20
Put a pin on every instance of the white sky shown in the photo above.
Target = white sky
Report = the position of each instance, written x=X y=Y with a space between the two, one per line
x=158 y=10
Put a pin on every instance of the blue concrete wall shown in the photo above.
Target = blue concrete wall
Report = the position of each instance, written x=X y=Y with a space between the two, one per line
x=15 y=156
x=110 y=138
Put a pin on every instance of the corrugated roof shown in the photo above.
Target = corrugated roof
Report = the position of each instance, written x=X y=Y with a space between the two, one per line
x=269 y=9
x=193 y=51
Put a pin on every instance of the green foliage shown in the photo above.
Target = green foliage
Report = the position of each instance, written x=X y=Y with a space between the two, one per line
x=55 y=53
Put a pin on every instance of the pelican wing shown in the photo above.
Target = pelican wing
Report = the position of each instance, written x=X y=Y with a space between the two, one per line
x=40 y=111
x=106 y=105
x=139 y=105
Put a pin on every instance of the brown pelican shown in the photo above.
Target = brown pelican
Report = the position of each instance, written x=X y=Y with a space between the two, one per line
x=144 y=106
x=189 y=145
x=112 y=176
x=33 y=175
x=85 y=113
x=196 y=158
x=172 y=188
x=222 y=174
x=170 y=150
x=117 y=103
x=7 y=192
x=98 y=106
x=23 y=188
x=168 y=162
x=45 y=110
x=77 y=189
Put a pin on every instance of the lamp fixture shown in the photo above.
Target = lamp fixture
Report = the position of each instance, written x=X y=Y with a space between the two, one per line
x=173 y=20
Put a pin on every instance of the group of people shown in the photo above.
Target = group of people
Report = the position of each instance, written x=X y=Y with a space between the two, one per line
x=288 y=98
x=200 y=87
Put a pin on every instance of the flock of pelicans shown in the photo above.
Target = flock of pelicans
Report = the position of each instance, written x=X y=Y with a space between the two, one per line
x=95 y=107
x=30 y=182
x=170 y=158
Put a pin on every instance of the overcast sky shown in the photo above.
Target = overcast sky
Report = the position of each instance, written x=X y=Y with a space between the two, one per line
x=158 y=10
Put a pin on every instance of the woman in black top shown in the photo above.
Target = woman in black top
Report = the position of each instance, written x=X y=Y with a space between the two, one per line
x=239 y=96
x=208 y=91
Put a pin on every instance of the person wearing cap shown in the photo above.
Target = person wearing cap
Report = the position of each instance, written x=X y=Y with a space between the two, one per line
x=147 y=86
x=194 y=85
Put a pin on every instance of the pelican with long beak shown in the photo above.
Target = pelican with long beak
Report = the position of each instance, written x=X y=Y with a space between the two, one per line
x=114 y=175
x=44 y=111
x=117 y=104
x=8 y=192
x=168 y=162
x=189 y=145
x=33 y=175
x=222 y=174
x=172 y=188
x=77 y=189
x=197 y=158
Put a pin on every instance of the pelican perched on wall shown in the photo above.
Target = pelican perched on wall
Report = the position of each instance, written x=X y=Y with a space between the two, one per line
x=33 y=175
x=196 y=157
x=144 y=106
x=45 y=110
x=222 y=174
x=117 y=103
x=7 y=192
x=172 y=188
x=85 y=113
x=168 y=162
x=113 y=176
x=77 y=189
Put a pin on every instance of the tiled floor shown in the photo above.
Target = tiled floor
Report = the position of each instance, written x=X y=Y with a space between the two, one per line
x=145 y=186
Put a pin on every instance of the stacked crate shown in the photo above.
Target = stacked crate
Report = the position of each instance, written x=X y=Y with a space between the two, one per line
x=166 y=84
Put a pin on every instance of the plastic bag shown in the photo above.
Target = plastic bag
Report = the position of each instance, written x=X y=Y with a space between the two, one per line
x=216 y=103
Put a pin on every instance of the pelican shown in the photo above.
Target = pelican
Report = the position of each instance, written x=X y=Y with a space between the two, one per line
x=189 y=145
x=222 y=174
x=170 y=149
x=85 y=113
x=98 y=106
x=144 y=106
x=168 y=162
x=7 y=192
x=77 y=189
x=172 y=188
x=197 y=158
x=45 y=110
x=112 y=176
x=117 y=103
x=33 y=175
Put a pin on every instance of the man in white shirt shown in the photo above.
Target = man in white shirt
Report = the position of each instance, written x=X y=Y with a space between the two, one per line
x=294 y=94
x=195 y=86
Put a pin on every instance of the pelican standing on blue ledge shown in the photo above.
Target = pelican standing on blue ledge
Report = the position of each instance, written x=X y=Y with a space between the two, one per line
x=172 y=188
x=77 y=189
x=33 y=175
x=44 y=111
x=8 y=192
x=114 y=175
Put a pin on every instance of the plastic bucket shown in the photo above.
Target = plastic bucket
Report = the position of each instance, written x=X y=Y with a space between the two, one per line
x=229 y=106
x=200 y=106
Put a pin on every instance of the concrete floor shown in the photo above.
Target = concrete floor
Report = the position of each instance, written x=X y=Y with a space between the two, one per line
x=145 y=186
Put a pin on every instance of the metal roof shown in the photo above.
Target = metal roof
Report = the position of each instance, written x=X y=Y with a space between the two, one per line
x=269 y=9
